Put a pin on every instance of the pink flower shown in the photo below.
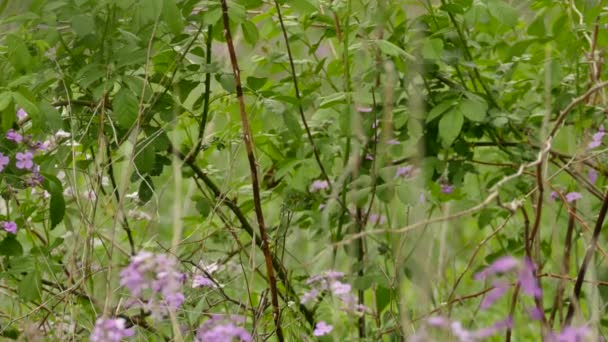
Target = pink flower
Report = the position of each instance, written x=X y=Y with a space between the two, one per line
x=111 y=330
x=596 y=140
x=21 y=114
x=10 y=226
x=322 y=329
x=393 y=142
x=500 y=288
x=4 y=160
x=500 y=265
x=24 y=160
x=364 y=109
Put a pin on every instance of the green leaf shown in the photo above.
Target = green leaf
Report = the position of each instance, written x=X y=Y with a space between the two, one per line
x=450 y=126
x=145 y=157
x=203 y=205
x=8 y=119
x=256 y=83
x=432 y=48
x=57 y=202
x=250 y=31
x=473 y=109
x=391 y=49
x=146 y=190
x=503 y=12
x=440 y=109
x=172 y=16
x=30 y=287
x=6 y=98
x=304 y=6
x=125 y=108
x=83 y=25
x=383 y=298
x=18 y=53
x=22 y=100
x=10 y=246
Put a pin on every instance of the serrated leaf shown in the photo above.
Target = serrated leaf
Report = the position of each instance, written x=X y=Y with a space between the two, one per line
x=450 y=126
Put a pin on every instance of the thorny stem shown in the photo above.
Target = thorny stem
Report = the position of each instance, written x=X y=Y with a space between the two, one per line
x=249 y=146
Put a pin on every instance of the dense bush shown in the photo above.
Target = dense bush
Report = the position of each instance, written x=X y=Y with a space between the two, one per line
x=295 y=170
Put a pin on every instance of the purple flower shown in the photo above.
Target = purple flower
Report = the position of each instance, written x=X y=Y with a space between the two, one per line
x=322 y=329
x=319 y=185
x=447 y=188
x=4 y=160
x=369 y=157
x=393 y=142
x=554 y=195
x=377 y=219
x=573 y=196
x=404 y=171
x=222 y=329
x=14 y=136
x=500 y=265
x=570 y=334
x=592 y=174
x=527 y=279
x=24 y=160
x=309 y=296
x=596 y=140
x=535 y=313
x=111 y=330
x=35 y=179
x=465 y=335
x=438 y=321
x=156 y=273
x=496 y=327
x=10 y=226
x=339 y=288
x=500 y=288
x=202 y=281
x=21 y=114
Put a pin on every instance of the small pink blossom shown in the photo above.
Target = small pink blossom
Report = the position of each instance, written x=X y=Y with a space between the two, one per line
x=592 y=174
x=322 y=329
x=319 y=185
x=14 y=136
x=573 y=196
x=447 y=188
x=21 y=114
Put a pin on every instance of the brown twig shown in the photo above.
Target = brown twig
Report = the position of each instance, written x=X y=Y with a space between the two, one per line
x=249 y=147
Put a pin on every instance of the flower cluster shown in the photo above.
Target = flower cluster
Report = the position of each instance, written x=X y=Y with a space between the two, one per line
x=155 y=281
x=597 y=138
x=329 y=281
x=9 y=226
x=322 y=329
x=111 y=330
x=223 y=329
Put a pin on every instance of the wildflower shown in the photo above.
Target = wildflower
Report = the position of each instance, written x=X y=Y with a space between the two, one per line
x=223 y=329
x=554 y=195
x=35 y=179
x=570 y=334
x=21 y=114
x=24 y=160
x=364 y=109
x=339 y=288
x=319 y=185
x=573 y=196
x=494 y=294
x=377 y=219
x=111 y=330
x=447 y=189
x=202 y=281
x=62 y=134
x=404 y=171
x=156 y=273
x=4 y=160
x=89 y=194
x=596 y=140
x=139 y=215
x=500 y=265
x=535 y=313
x=10 y=226
x=369 y=157
x=322 y=329
x=393 y=142
x=14 y=136
x=527 y=279
x=592 y=174
x=309 y=296
x=465 y=335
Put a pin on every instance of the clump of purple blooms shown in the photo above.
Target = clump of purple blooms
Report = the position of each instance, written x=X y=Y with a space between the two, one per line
x=329 y=282
x=319 y=185
x=322 y=329
x=155 y=281
x=223 y=329
x=9 y=226
x=111 y=330
x=596 y=140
